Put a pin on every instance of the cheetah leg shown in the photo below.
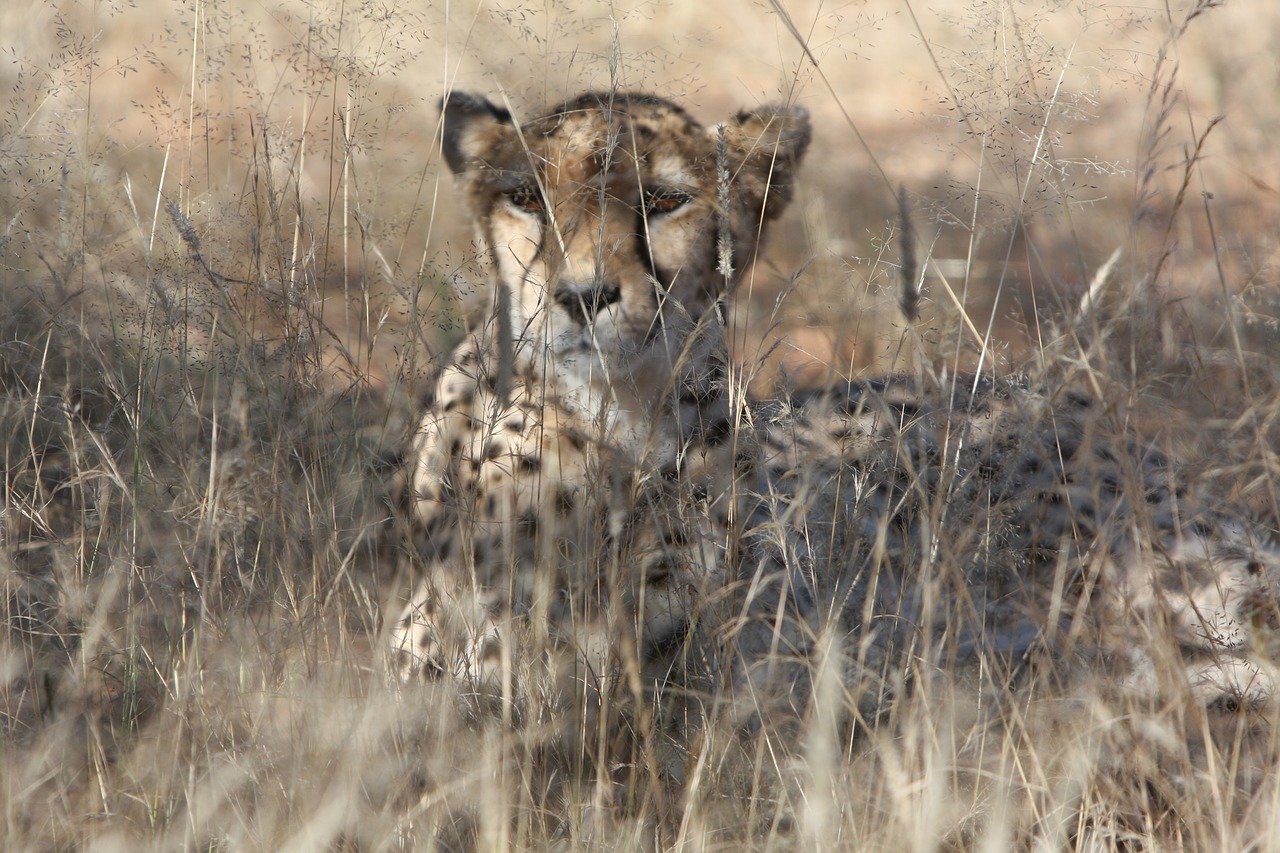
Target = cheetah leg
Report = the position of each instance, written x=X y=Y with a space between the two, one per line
x=450 y=632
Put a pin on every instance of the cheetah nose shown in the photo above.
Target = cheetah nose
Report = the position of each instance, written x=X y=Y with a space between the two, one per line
x=584 y=301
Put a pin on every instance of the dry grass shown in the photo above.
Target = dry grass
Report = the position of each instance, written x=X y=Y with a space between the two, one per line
x=229 y=257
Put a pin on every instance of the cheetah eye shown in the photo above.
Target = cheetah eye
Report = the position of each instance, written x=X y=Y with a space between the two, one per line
x=527 y=199
x=658 y=202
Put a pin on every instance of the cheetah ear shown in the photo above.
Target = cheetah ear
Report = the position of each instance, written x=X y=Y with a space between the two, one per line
x=469 y=125
x=766 y=146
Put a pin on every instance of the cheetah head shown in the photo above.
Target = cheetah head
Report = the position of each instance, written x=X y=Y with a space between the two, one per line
x=616 y=223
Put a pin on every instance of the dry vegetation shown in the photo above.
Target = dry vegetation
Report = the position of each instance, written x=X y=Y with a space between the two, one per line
x=229 y=257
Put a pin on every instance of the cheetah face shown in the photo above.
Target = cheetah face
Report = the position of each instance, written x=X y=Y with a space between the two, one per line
x=603 y=221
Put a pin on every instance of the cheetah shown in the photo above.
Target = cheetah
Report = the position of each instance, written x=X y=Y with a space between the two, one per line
x=596 y=502
x=586 y=418
x=932 y=524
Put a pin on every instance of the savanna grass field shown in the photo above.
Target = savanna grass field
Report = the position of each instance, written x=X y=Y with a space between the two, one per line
x=230 y=257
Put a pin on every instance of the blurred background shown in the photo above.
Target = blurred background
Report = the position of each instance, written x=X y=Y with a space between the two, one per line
x=298 y=144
